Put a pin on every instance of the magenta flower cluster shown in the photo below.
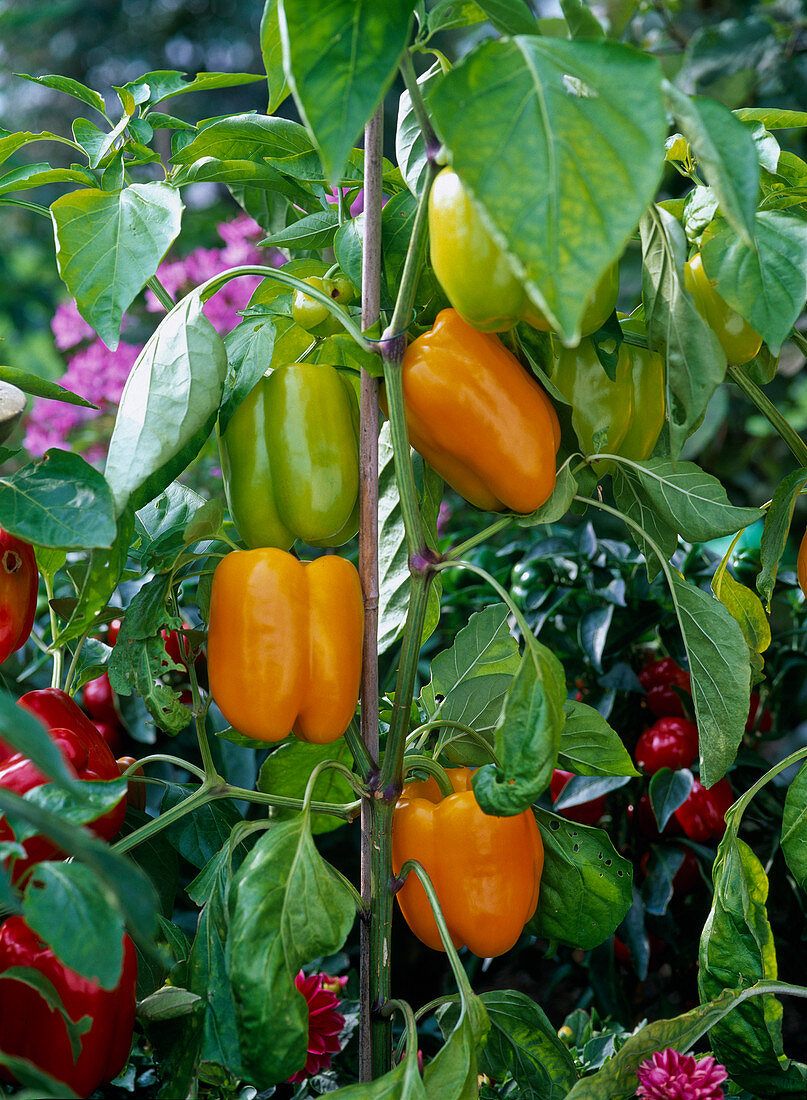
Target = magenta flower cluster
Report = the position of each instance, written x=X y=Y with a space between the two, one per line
x=669 y=1075
x=99 y=375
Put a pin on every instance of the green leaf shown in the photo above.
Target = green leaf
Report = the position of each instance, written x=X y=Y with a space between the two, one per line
x=103 y=571
x=313 y=231
x=657 y=888
x=168 y=405
x=393 y=558
x=617 y=1078
x=41 y=175
x=582 y=23
x=794 y=828
x=767 y=283
x=557 y=505
x=689 y=500
x=66 y=909
x=633 y=503
x=60 y=502
x=410 y=145
x=287 y=907
x=509 y=16
x=452 y=1073
x=401 y=1083
x=11 y=142
x=777 y=527
x=70 y=87
x=696 y=363
x=31 y=383
x=25 y=734
x=586 y=887
x=199 y=835
x=746 y=608
x=588 y=745
x=286 y=771
x=110 y=243
x=720 y=675
x=336 y=83
x=250 y=347
x=521 y=1042
x=272 y=54
x=725 y=150
x=773 y=118
x=668 y=790
x=563 y=184
x=83 y=803
x=483 y=647
x=154 y=87
x=737 y=949
x=526 y=737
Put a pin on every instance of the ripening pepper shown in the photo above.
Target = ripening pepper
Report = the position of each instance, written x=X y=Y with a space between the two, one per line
x=739 y=341
x=312 y=315
x=290 y=459
x=479 y=418
x=31 y=1030
x=623 y=416
x=284 y=644
x=87 y=756
x=19 y=581
x=486 y=870
x=475 y=274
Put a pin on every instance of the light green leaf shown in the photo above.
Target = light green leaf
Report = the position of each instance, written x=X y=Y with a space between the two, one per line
x=272 y=53
x=794 y=827
x=109 y=244
x=588 y=745
x=70 y=87
x=633 y=503
x=777 y=527
x=168 y=405
x=746 y=607
x=563 y=183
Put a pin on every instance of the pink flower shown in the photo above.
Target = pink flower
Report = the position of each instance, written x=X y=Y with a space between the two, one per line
x=324 y=1023
x=69 y=327
x=669 y=1075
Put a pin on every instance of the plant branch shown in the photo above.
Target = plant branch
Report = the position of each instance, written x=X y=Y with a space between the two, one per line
x=752 y=391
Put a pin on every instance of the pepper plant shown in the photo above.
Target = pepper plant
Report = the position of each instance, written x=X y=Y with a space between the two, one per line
x=559 y=146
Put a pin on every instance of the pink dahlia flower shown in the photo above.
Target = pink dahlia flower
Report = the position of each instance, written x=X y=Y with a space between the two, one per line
x=669 y=1075
x=324 y=1023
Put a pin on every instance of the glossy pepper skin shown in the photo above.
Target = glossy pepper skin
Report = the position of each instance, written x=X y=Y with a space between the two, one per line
x=475 y=274
x=86 y=753
x=623 y=416
x=19 y=581
x=479 y=418
x=660 y=678
x=30 y=1030
x=312 y=315
x=486 y=870
x=284 y=644
x=669 y=743
x=702 y=815
x=290 y=459
x=739 y=341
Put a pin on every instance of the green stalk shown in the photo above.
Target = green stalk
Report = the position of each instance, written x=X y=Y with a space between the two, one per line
x=418 y=762
x=458 y=969
x=735 y=813
x=58 y=653
x=752 y=391
x=160 y=293
x=481 y=536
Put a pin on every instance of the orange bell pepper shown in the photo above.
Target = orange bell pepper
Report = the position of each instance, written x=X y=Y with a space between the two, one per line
x=285 y=643
x=486 y=870
x=479 y=418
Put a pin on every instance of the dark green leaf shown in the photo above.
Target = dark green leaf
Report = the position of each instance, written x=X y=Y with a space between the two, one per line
x=657 y=888
x=104 y=570
x=696 y=363
x=286 y=908
x=200 y=834
x=586 y=887
x=313 y=231
x=777 y=526
x=110 y=243
x=634 y=503
x=336 y=85
x=580 y=20
x=31 y=383
x=82 y=923
x=669 y=790
x=794 y=827
x=60 y=502
x=526 y=737
x=509 y=16
x=25 y=734
x=720 y=675
x=553 y=185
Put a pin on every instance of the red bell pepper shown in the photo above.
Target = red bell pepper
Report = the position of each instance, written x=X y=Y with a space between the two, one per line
x=31 y=1030
x=19 y=582
x=87 y=755
x=660 y=678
